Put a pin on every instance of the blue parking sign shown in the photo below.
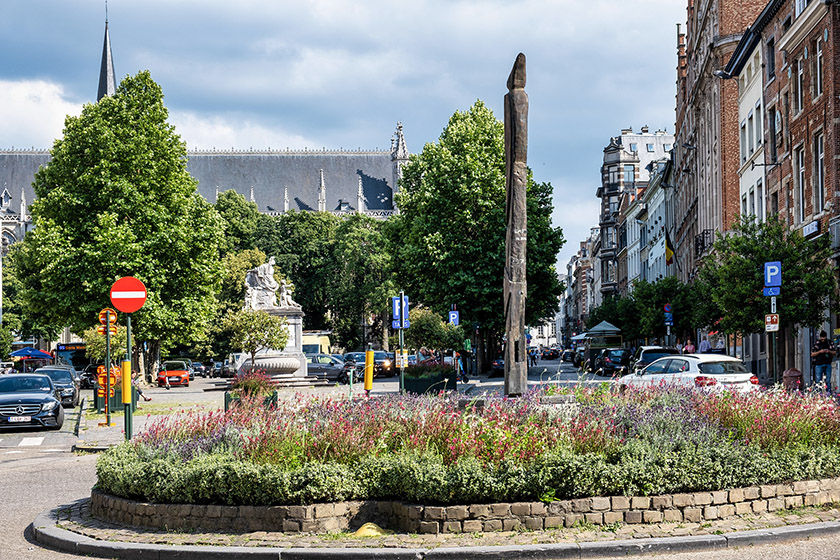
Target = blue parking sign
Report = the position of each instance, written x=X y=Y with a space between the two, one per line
x=454 y=318
x=772 y=274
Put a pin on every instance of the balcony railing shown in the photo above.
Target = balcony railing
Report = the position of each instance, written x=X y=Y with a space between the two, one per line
x=703 y=242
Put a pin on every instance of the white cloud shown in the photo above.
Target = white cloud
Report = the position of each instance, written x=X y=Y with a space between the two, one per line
x=201 y=132
x=33 y=113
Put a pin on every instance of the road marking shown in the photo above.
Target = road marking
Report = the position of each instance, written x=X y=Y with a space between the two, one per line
x=31 y=441
x=127 y=295
x=11 y=452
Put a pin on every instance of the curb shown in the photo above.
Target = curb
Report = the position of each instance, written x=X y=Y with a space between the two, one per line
x=47 y=533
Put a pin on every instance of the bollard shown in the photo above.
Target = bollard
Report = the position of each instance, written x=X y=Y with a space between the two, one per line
x=369 y=369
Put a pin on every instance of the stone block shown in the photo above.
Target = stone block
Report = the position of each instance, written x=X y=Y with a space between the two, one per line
x=582 y=505
x=185 y=510
x=560 y=507
x=600 y=504
x=573 y=518
x=594 y=518
x=434 y=513
x=341 y=509
x=710 y=512
x=552 y=521
x=619 y=503
x=491 y=524
x=325 y=510
x=611 y=517
x=752 y=493
x=793 y=501
x=775 y=504
x=736 y=495
x=662 y=502
x=720 y=497
x=693 y=515
x=809 y=499
x=702 y=498
x=479 y=511
x=310 y=526
x=472 y=525
x=519 y=508
x=456 y=513
x=511 y=524
x=743 y=507
x=451 y=526
x=429 y=527
x=632 y=517
x=784 y=489
x=683 y=500
x=672 y=516
x=292 y=525
x=330 y=524
x=652 y=516
x=758 y=506
x=500 y=510
x=640 y=502
x=767 y=490
x=536 y=523
x=415 y=512
x=385 y=507
x=538 y=508
x=295 y=512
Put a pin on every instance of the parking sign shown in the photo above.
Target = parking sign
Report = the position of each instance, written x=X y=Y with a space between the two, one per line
x=772 y=274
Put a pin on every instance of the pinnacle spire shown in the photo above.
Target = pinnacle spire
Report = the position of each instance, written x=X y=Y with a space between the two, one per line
x=107 y=79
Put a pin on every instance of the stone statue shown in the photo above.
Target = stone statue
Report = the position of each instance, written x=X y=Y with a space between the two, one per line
x=261 y=287
x=516 y=177
x=286 y=295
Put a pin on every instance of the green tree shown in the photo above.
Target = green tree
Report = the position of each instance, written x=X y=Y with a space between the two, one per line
x=650 y=299
x=428 y=329
x=116 y=200
x=253 y=331
x=95 y=344
x=448 y=241
x=240 y=218
x=733 y=274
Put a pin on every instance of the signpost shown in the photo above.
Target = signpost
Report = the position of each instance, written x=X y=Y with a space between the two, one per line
x=773 y=288
x=108 y=317
x=400 y=322
x=669 y=320
x=128 y=294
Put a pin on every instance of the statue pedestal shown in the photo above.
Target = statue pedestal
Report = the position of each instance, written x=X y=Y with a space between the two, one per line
x=289 y=360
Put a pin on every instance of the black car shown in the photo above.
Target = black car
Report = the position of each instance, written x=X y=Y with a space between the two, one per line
x=568 y=356
x=66 y=384
x=613 y=360
x=198 y=370
x=383 y=365
x=88 y=378
x=29 y=399
x=648 y=354
x=550 y=354
x=498 y=367
x=324 y=365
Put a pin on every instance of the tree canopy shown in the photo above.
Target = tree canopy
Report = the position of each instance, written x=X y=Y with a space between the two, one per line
x=116 y=200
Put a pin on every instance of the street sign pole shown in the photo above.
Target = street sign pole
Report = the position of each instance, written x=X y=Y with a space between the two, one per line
x=128 y=294
x=402 y=354
x=127 y=392
x=108 y=367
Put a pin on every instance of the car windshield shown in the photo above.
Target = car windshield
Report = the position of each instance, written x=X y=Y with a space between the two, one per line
x=616 y=354
x=355 y=356
x=381 y=355
x=173 y=366
x=58 y=375
x=722 y=367
x=652 y=355
x=24 y=384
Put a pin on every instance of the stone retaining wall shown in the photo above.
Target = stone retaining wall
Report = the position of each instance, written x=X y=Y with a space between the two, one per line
x=341 y=516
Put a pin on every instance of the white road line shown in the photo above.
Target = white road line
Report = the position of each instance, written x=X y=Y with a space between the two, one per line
x=11 y=452
x=31 y=441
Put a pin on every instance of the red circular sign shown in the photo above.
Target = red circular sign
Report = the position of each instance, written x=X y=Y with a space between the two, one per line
x=128 y=294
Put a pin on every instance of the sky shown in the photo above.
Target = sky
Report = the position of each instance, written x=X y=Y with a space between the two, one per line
x=336 y=74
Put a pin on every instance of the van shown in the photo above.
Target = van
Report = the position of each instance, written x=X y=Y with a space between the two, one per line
x=316 y=342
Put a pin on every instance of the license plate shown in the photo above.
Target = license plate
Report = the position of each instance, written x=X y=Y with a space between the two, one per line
x=20 y=418
x=174 y=379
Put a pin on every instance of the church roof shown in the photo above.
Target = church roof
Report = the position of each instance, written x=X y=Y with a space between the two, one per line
x=107 y=79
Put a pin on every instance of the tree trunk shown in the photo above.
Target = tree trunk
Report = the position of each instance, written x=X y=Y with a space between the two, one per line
x=480 y=351
x=151 y=356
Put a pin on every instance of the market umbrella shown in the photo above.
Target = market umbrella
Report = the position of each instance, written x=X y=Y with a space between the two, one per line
x=30 y=352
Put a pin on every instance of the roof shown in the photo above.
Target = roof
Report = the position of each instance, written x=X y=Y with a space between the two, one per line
x=603 y=328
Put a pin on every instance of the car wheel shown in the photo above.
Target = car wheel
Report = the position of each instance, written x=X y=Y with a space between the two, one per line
x=59 y=421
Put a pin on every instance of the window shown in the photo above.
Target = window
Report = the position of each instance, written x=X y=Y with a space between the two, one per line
x=752 y=202
x=650 y=147
x=634 y=147
x=677 y=366
x=771 y=122
x=743 y=206
x=819 y=173
x=818 y=74
x=667 y=147
x=759 y=133
x=774 y=203
x=771 y=59
x=743 y=142
x=750 y=134
x=629 y=174
x=801 y=5
x=799 y=161
x=800 y=85
x=759 y=200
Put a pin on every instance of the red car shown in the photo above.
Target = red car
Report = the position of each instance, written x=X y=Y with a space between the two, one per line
x=177 y=373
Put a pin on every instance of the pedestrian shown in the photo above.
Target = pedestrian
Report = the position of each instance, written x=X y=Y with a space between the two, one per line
x=689 y=347
x=138 y=389
x=822 y=352
x=704 y=345
x=679 y=346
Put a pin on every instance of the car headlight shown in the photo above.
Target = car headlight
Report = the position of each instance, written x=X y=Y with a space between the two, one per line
x=387 y=363
x=49 y=405
x=67 y=391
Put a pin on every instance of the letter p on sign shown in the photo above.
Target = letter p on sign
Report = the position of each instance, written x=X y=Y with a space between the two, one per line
x=772 y=274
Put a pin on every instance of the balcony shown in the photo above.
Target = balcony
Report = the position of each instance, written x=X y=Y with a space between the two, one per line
x=703 y=242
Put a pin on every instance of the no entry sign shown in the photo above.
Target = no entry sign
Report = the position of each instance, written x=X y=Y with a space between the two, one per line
x=128 y=294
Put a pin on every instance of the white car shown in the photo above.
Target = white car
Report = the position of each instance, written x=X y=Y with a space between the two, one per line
x=714 y=372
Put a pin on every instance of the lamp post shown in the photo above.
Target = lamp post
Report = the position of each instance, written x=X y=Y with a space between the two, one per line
x=4 y=248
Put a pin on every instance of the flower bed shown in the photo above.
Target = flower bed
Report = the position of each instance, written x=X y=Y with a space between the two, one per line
x=425 y=450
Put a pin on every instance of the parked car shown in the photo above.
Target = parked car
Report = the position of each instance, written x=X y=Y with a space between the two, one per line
x=713 y=372
x=87 y=380
x=382 y=364
x=217 y=369
x=613 y=360
x=29 y=399
x=550 y=354
x=324 y=365
x=176 y=371
x=198 y=370
x=568 y=356
x=65 y=382
x=648 y=354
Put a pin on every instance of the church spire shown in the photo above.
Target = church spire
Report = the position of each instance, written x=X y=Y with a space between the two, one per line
x=107 y=80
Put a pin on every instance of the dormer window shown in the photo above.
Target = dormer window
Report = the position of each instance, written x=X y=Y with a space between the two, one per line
x=7 y=199
x=343 y=205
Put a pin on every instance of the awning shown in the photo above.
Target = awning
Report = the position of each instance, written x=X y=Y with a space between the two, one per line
x=581 y=336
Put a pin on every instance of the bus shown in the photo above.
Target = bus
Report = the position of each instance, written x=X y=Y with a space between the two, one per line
x=73 y=354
